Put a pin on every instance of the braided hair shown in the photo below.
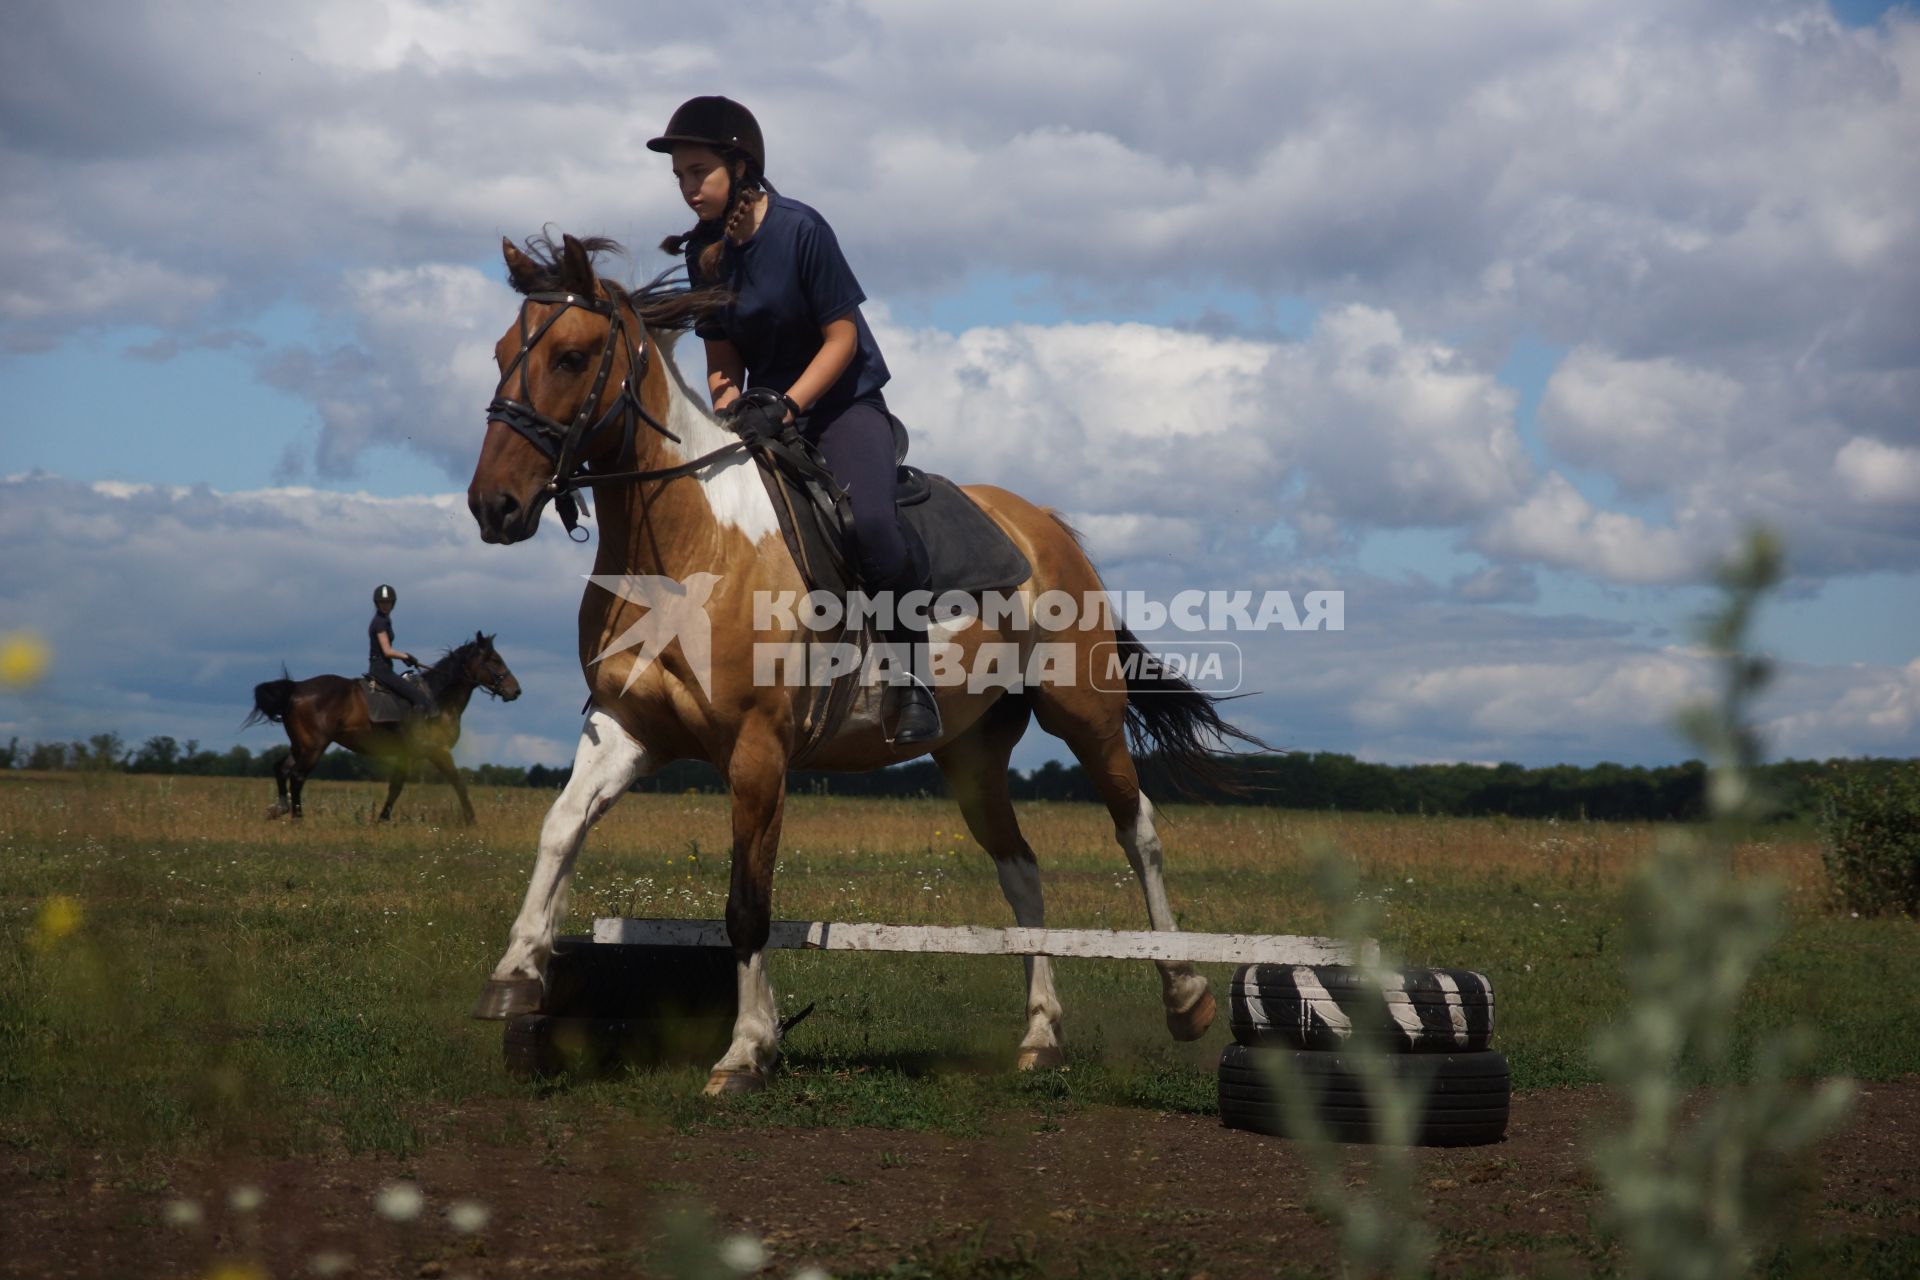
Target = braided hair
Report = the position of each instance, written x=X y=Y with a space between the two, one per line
x=750 y=183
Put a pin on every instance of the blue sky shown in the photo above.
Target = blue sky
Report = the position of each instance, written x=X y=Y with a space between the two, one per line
x=1487 y=348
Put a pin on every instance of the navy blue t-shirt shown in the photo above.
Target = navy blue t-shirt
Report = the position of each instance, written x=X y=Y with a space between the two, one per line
x=789 y=281
x=381 y=623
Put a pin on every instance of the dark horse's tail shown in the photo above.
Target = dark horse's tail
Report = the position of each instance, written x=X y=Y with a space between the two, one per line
x=1177 y=724
x=1173 y=722
x=271 y=700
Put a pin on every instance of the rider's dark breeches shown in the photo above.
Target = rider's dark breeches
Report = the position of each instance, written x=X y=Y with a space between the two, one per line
x=857 y=443
x=389 y=679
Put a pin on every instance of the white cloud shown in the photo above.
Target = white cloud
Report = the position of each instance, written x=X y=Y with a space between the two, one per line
x=1379 y=428
x=419 y=372
x=1557 y=526
x=1643 y=421
x=1878 y=473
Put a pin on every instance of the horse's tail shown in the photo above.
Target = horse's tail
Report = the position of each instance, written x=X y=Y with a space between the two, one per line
x=271 y=700
x=1177 y=724
x=1170 y=720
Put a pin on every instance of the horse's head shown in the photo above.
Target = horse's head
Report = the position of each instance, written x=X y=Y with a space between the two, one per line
x=567 y=395
x=483 y=667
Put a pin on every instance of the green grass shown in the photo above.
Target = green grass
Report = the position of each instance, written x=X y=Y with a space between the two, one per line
x=238 y=983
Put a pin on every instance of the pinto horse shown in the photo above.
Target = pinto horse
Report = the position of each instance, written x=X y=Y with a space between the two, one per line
x=326 y=709
x=681 y=501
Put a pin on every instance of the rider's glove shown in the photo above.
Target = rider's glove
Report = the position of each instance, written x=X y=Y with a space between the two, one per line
x=759 y=414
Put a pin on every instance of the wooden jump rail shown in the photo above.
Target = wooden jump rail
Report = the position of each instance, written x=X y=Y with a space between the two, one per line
x=980 y=940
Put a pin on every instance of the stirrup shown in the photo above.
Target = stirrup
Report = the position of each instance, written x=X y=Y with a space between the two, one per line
x=919 y=718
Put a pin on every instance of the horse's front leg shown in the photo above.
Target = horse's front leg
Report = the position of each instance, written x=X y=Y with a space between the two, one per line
x=396 y=783
x=757 y=774
x=442 y=761
x=605 y=764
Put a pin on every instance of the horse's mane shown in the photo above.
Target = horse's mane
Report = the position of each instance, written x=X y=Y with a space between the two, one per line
x=661 y=303
x=442 y=670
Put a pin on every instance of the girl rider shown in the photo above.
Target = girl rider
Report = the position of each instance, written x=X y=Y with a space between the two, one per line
x=381 y=655
x=792 y=346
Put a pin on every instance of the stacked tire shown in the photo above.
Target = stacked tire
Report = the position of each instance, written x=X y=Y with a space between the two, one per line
x=1429 y=1028
x=609 y=1006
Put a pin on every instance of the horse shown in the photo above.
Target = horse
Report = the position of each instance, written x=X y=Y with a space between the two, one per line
x=680 y=500
x=328 y=709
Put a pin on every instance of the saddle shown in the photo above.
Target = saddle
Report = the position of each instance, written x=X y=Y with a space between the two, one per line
x=385 y=706
x=947 y=533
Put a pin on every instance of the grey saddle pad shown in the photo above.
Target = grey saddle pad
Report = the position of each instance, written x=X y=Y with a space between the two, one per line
x=965 y=549
x=384 y=707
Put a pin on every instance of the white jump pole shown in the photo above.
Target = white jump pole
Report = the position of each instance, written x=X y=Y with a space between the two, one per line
x=980 y=940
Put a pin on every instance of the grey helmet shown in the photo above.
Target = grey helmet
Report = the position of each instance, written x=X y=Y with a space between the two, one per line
x=385 y=597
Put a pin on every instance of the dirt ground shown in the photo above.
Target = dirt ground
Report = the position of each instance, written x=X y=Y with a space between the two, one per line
x=1102 y=1191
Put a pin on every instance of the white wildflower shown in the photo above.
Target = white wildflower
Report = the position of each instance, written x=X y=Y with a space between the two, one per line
x=467 y=1216
x=399 y=1202
x=182 y=1213
x=743 y=1253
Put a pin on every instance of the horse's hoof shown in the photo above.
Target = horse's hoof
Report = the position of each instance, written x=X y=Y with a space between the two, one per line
x=1045 y=1058
x=508 y=998
x=723 y=1084
x=1193 y=1023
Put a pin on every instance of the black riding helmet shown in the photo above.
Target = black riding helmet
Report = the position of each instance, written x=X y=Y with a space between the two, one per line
x=384 y=596
x=720 y=123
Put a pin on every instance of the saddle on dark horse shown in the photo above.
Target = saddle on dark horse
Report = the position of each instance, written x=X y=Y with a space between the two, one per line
x=961 y=546
x=386 y=707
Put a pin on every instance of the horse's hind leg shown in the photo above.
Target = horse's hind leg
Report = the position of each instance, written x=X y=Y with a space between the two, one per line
x=607 y=762
x=1092 y=723
x=975 y=766
x=301 y=761
x=283 y=805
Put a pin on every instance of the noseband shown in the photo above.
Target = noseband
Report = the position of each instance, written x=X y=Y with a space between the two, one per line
x=562 y=444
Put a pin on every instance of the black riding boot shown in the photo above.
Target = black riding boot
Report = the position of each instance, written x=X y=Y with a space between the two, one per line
x=919 y=719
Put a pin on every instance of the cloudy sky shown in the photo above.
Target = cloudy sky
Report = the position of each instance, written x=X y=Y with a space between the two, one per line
x=1505 y=318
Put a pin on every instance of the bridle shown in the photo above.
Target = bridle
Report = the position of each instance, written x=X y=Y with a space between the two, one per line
x=563 y=444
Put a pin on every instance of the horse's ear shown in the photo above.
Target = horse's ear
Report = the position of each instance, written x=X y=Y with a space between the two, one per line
x=576 y=265
x=520 y=268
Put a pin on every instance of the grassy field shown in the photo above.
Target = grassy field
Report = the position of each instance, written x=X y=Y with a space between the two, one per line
x=209 y=979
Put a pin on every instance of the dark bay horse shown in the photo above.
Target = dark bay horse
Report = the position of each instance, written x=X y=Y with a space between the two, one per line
x=588 y=385
x=326 y=709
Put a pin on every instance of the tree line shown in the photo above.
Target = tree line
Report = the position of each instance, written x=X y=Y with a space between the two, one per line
x=1296 y=780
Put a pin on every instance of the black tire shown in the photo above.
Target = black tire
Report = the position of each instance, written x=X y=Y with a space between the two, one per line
x=538 y=1045
x=608 y=1006
x=1322 y=1006
x=1465 y=1097
x=588 y=979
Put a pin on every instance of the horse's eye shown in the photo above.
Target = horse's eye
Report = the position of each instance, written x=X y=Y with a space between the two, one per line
x=570 y=361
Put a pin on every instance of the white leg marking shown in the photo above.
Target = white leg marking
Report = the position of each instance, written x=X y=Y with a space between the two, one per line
x=1180 y=987
x=756 y=1025
x=604 y=765
x=1020 y=882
